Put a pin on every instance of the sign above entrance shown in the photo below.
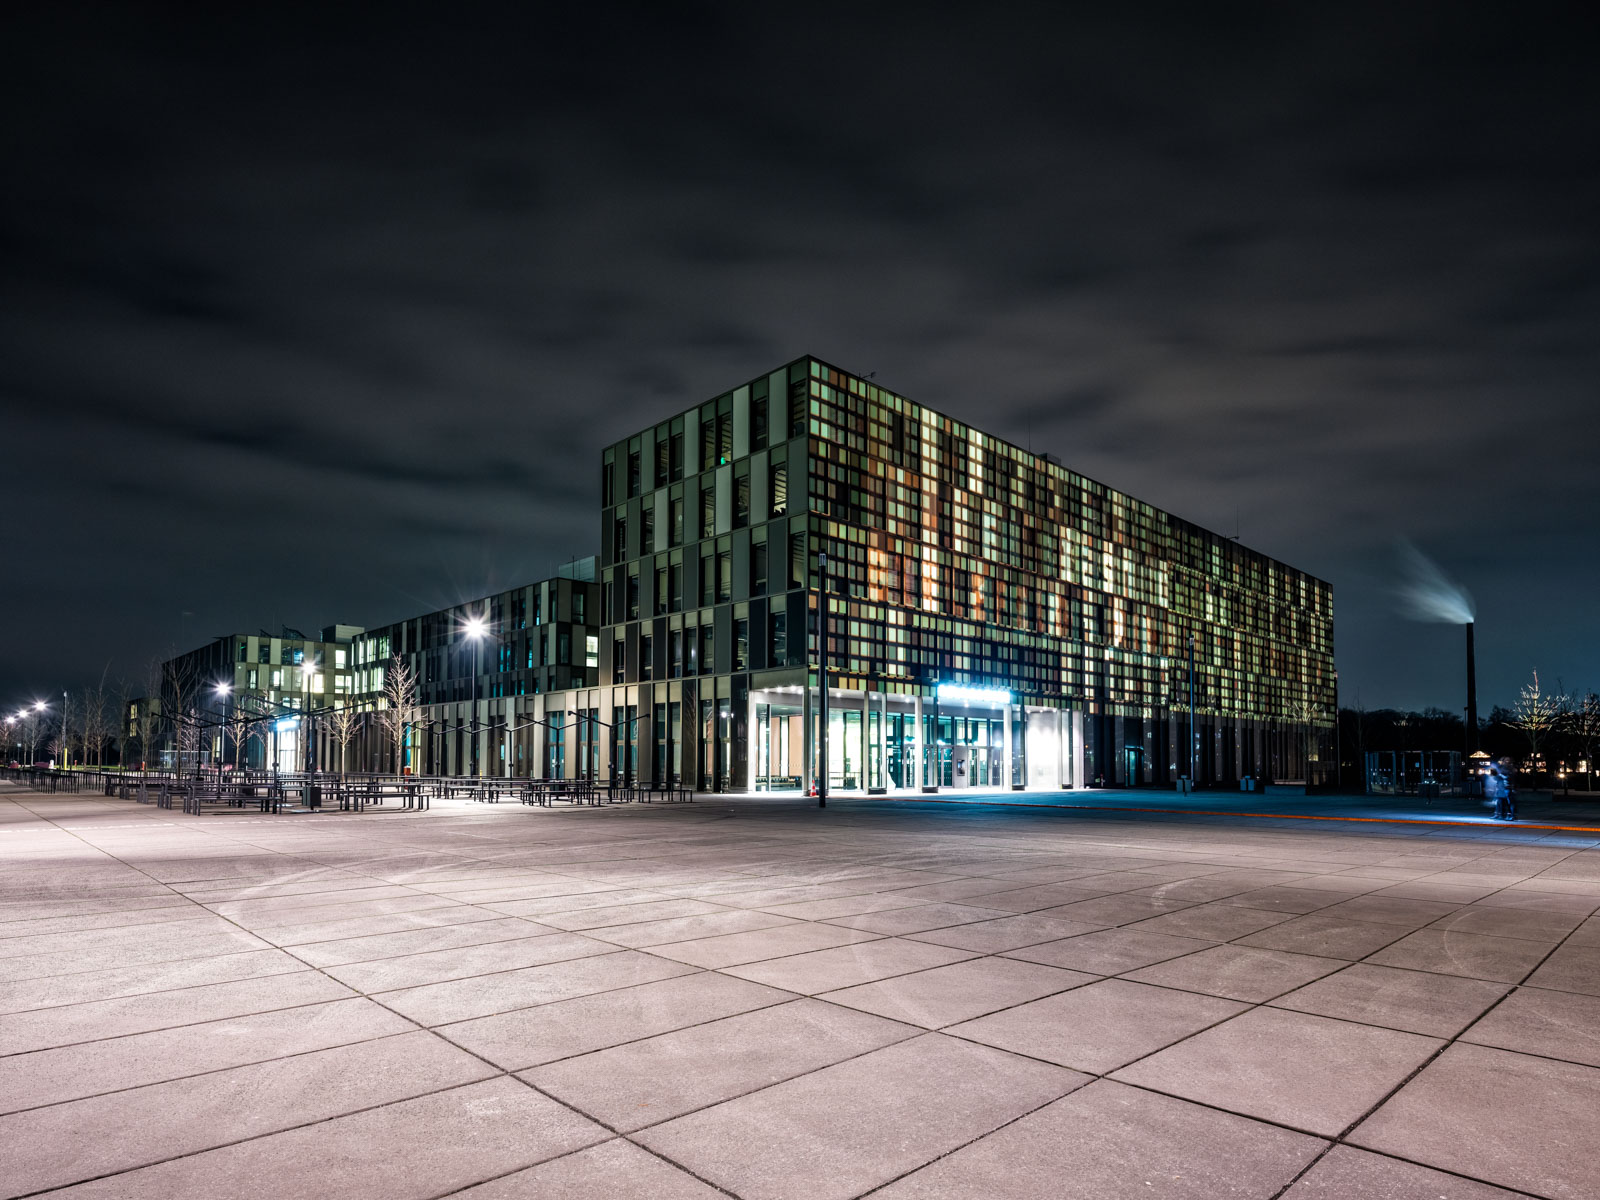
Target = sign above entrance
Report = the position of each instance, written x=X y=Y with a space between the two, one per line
x=961 y=693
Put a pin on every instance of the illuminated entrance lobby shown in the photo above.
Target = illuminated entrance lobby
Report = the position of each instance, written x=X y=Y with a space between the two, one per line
x=961 y=737
x=989 y=619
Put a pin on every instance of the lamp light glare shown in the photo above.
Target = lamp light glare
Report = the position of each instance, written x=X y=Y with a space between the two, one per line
x=475 y=627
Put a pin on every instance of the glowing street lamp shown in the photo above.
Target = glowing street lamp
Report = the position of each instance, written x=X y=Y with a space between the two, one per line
x=476 y=628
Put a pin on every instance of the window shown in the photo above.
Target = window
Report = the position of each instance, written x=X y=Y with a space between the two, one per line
x=708 y=439
x=340 y=658
x=797 y=561
x=778 y=642
x=254 y=679
x=564 y=647
x=741 y=496
x=661 y=591
x=591 y=650
x=708 y=507
x=676 y=454
x=758 y=564
x=647 y=657
x=675 y=586
x=633 y=473
x=633 y=594
x=724 y=575
x=780 y=489
x=244 y=647
x=579 y=605
x=725 y=436
x=663 y=464
x=675 y=646
x=692 y=641
x=277 y=679
x=264 y=651
x=647 y=528
x=619 y=538
x=619 y=660
x=758 y=416
x=607 y=489
x=741 y=645
x=708 y=581
x=675 y=507
x=708 y=649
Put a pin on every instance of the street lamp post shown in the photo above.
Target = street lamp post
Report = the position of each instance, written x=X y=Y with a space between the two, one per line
x=476 y=628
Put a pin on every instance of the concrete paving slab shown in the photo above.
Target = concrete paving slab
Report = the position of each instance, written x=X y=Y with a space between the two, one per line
x=411 y=1150
x=959 y=992
x=84 y=1139
x=1326 y=937
x=68 y=1024
x=1238 y=972
x=653 y=1080
x=840 y=1131
x=844 y=966
x=1306 y=1072
x=484 y=995
x=1346 y=1173
x=1109 y=951
x=1570 y=969
x=1508 y=1119
x=1108 y=1140
x=436 y=966
x=416 y=941
x=116 y=1064
x=1471 y=955
x=1101 y=1026
x=1564 y=1025
x=734 y=949
x=530 y=1036
x=1413 y=1001
x=604 y=1172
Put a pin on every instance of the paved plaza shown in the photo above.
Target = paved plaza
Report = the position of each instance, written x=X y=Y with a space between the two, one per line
x=758 y=999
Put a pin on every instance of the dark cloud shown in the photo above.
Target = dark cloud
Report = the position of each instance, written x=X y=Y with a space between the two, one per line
x=308 y=316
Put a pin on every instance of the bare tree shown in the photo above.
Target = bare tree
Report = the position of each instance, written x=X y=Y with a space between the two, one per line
x=1537 y=715
x=61 y=743
x=95 y=722
x=399 y=712
x=1584 y=723
x=343 y=722
x=147 y=718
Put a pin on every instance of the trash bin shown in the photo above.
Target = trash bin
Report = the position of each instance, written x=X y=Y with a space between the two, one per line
x=1183 y=785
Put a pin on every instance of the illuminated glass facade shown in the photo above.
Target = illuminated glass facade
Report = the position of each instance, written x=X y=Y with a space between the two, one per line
x=951 y=557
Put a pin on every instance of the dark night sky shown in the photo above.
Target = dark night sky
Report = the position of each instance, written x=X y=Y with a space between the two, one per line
x=310 y=318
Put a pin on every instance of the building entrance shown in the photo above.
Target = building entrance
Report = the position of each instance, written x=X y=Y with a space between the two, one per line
x=779 y=749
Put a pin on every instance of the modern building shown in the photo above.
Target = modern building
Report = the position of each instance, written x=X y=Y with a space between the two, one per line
x=497 y=681
x=207 y=692
x=993 y=619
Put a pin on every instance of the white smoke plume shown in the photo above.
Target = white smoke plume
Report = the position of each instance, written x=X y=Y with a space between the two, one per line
x=1426 y=593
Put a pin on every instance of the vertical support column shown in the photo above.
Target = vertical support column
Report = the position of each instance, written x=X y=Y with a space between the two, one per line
x=919 y=769
x=1005 y=770
x=864 y=776
x=1077 y=750
x=883 y=740
x=1063 y=723
x=807 y=741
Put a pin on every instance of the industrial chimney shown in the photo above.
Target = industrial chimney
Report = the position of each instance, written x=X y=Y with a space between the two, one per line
x=1472 y=693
